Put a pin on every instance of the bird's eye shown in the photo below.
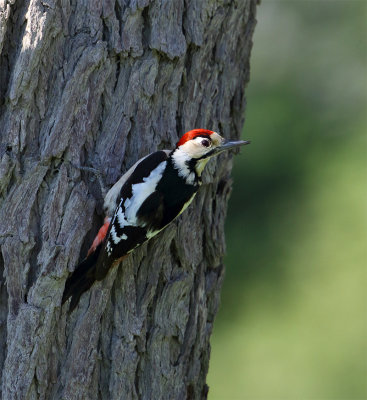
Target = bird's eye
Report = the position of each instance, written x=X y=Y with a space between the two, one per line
x=206 y=143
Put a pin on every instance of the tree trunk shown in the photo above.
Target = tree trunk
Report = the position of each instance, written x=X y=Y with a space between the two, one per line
x=101 y=84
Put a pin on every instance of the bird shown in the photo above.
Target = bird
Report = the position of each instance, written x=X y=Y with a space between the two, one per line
x=147 y=198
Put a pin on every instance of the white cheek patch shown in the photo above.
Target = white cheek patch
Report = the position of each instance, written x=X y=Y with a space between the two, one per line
x=180 y=159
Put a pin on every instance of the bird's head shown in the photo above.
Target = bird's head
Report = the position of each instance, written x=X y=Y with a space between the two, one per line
x=197 y=146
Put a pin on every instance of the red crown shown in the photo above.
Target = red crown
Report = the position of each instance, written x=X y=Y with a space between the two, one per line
x=193 y=134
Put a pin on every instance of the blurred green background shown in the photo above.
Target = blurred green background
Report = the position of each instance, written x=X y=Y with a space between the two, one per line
x=293 y=316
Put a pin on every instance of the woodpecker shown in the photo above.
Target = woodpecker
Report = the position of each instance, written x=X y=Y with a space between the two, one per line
x=149 y=196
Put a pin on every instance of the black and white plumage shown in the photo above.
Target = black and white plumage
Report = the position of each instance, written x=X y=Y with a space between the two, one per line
x=154 y=191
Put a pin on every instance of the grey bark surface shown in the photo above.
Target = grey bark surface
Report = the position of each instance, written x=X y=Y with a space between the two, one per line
x=101 y=84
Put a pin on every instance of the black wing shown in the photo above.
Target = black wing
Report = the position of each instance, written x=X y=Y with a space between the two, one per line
x=123 y=237
x=119 y=240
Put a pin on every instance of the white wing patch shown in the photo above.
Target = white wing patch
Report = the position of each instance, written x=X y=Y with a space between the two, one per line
x=121 y=217
x=117 y=239
x=126 y=213
x=109 y=248
x=140 y=192
x=112 y=195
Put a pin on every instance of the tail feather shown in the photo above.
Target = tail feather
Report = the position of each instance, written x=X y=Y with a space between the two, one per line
x=81 y=279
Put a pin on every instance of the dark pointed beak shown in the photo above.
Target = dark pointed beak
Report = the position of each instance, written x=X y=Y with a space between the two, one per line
x=230 y=145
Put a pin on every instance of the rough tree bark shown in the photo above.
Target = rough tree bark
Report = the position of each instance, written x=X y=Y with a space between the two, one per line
x=103 y=83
